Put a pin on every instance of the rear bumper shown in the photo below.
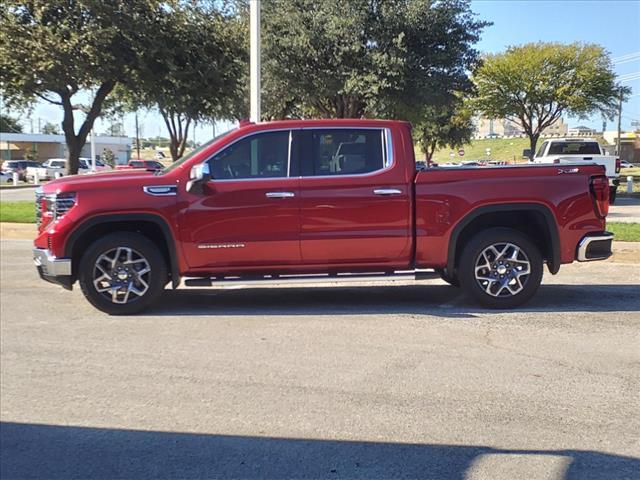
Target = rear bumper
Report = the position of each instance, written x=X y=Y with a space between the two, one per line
x=594 y=246
x=52 y=269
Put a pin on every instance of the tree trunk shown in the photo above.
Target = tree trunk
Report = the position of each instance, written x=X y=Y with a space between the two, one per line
x=76 y=142
x=178 y=128
x=533 y=141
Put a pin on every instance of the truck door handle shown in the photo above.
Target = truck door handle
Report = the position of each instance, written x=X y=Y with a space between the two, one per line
x=280 y=194
x=387 y=191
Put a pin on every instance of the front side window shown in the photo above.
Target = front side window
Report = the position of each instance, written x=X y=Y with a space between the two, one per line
x=343 y=152
x=262 y=155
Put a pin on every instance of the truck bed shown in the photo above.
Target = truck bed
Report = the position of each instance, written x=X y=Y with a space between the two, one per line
x=445 y=196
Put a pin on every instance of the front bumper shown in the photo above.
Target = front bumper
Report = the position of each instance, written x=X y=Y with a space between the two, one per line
x=52 y=269
x=595 y=246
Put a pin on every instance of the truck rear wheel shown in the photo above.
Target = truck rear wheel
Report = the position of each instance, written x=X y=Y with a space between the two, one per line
x=500 y=268
x=122 y=273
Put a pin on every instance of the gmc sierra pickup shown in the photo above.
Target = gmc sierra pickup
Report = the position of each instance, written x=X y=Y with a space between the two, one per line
x=312 y=201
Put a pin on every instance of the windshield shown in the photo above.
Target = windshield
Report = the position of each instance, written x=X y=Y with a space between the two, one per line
x=189 y=155
x=574 y=148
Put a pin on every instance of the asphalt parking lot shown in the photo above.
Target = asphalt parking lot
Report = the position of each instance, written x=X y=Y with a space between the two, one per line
x=330 y=382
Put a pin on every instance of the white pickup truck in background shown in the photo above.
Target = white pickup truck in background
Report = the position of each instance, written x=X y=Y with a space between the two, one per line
x=52 y=166
x=576 y=150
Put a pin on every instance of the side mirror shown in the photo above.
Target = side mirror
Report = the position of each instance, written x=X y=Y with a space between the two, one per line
x=199 y=174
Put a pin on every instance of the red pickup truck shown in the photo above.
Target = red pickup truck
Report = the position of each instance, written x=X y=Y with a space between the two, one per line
x=312 y=201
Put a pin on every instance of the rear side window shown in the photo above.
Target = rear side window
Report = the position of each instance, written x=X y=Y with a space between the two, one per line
x=541 y=150
x=342 y=151
x=574 y=148
x=59 y=163
x=136 y=164
x=262 y=155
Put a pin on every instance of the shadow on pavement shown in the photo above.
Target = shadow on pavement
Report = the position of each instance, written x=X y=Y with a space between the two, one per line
x=49 y=451
x=437 y=300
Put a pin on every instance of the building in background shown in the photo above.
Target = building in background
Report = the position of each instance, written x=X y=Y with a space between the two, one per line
x=20 y=146
x=629 y=145
x=504 y=127
x=581 y=131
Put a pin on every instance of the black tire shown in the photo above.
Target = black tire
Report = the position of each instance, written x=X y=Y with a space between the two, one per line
x=521 y=286
x=112 y=250
x=613 y=191
x=450 y=279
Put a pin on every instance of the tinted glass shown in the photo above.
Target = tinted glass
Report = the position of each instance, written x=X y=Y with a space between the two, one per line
x=136 y=164
x=574 y=148
x=263 y=155
x=59 y=163
x=541 y=149
x=342 y=152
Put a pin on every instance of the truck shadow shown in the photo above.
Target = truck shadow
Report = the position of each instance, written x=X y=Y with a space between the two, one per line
x=436 y=300
x=52 y=451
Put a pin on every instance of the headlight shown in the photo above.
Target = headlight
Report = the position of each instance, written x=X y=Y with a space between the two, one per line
x=53 y=206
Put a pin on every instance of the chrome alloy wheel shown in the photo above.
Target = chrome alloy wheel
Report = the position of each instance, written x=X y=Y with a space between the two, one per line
x=502 y=269
x=121 y=275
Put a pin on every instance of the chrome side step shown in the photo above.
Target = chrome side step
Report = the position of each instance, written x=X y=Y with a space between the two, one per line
x=403 y=276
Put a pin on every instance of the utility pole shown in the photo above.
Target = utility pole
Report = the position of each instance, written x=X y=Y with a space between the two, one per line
x=137 y=136
x=254 y=39
x=619 y=124
x=93 y=150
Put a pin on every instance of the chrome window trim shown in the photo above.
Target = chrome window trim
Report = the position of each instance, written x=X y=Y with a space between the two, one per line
x=387 y=152
x=387 y=146
x=289 y=154
x=258 y=132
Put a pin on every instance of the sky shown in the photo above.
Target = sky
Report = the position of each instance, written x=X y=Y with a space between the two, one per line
x=613 y=24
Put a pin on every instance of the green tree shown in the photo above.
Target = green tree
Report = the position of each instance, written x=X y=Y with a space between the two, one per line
x=9 y=124
x=50 y=128
x=443 y=126
x=535 y=84
x=196 y=69
x=52 y=50
x=365 y=57
x=108 y=157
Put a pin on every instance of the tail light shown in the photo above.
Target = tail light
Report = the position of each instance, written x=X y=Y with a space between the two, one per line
x=617 y=165
x=600 y=193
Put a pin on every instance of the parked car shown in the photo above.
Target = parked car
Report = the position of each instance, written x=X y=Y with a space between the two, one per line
x=259 y=204
x=150 y=165
x=625 y=164
x=53 y=166
x=579 y=150
x=6 y=177
x=19 y=167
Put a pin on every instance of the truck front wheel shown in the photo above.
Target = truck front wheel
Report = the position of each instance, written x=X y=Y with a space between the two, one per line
x=122 y=273
x=500 y=268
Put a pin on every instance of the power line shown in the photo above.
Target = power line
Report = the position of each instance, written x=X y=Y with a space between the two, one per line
x=634 y=59
x=623 y=58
